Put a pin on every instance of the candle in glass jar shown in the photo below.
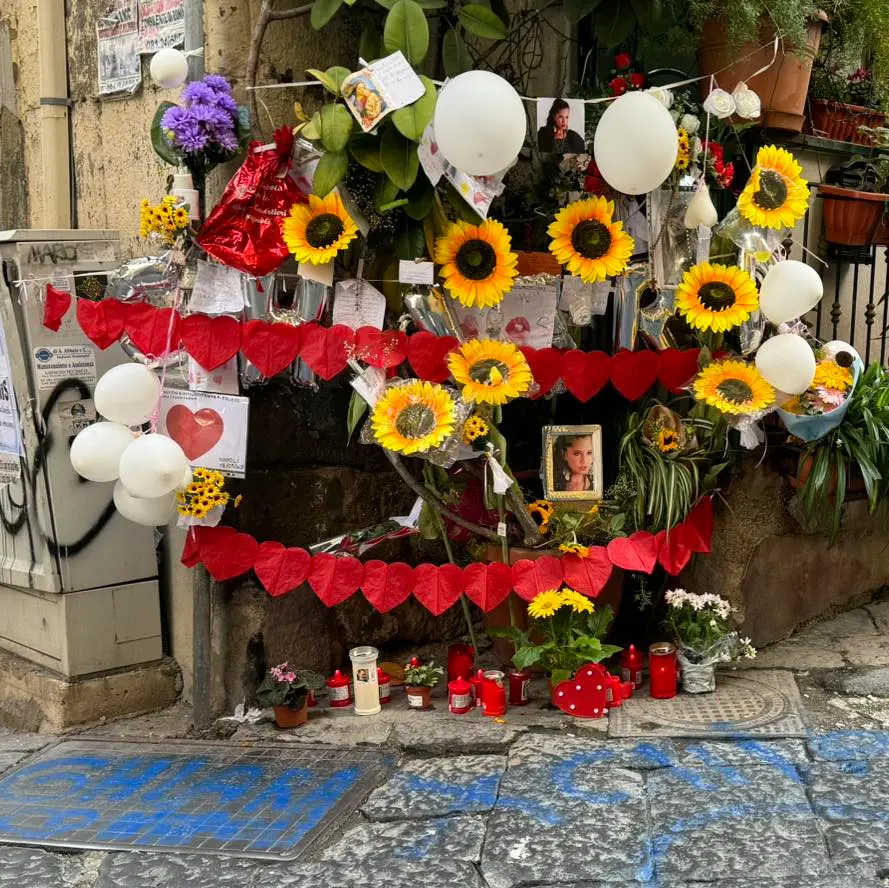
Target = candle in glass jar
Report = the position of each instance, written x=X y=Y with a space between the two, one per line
x=364 y=680
x=662 y=672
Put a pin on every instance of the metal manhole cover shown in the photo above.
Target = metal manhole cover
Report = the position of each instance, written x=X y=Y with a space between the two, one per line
x=209 y=798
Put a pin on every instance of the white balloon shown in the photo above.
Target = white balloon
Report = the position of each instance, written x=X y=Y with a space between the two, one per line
x=835 y=346
x=152 y=466
x=96 y=451
x=169 y=68
x=700 y=209
x=636 y=144
x=479 y=123
x=127 y=394
x=150 y=512
x=789 y=290
x=187 y=478
x=787 y=362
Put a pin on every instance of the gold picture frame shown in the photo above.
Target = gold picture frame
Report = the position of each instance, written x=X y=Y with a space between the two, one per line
x=556 y=470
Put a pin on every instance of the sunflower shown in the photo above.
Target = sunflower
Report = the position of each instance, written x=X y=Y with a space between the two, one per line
x=776 y=195
x=477 y=263
x=491 y=372
x=831 y=375
x=545 y=604
x=580 y=604
x=683 y=157
x=716 y=297
x=317 y=232
x=414 y=417
x=474 y=428
x=541 y=511
x=733 y=387
x=588 y=240
x=667 y=441
x=575 y=549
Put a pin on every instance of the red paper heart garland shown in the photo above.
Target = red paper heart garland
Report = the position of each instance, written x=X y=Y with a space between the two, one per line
x=102 y=322
x=211 y=341
x=55 y=306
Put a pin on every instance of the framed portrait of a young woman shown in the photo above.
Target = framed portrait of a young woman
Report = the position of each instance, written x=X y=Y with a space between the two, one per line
x=572 y=463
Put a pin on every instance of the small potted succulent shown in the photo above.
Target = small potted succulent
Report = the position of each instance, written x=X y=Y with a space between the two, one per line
x=419 y=680
x=286 y=690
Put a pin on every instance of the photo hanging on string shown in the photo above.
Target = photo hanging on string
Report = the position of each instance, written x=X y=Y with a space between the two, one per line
x=560 y=126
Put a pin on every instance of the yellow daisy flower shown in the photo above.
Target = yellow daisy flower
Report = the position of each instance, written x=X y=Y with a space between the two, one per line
x=580 y=604
x=575 y=549
x=776 y=195
x=490 y=371
x=541 y=511
x=477 y=263
x=318 y=231
x=414 y=417
x=716 y=297
x=588 y=241
x=474 y=428
x=829 y=374
x=546 y=604
x=733 y=387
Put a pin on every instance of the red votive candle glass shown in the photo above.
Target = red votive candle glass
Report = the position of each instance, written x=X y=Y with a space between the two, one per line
x=662 y=670
x=460 y=661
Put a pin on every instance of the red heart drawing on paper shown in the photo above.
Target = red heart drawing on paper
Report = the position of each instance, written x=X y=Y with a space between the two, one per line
x=674 y=552
x=386 y=586
x=334 y=578
x=327 y=352
x=698 y=526
x=634 y=373
x=637 y=552
x=587 y=575
x=438 y=587
x=428 y=354
x=211 y=341
x=487 y=585
x=380 y=348
x=677 y=367
x=196 y=433
x=227 y=555
x=270 y=347
x=546 y=367
x=154 y=331
x=584 y=695
x=530 y=578
x=55 y=306
x=584 y=373
x=280 y=569
x=102 y=322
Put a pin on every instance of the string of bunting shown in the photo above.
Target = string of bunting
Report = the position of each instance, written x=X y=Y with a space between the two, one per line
x=227 y=553
x=271 y=347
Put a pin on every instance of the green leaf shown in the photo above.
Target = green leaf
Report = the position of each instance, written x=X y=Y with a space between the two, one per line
x=323 y=11
x=481 y=21
x=369 y=44
x=412 y=120
x=399 y=155
x=331 y=79
x=527 y=656
x=385 y=193
x=454 y=54
x=366 y=150
x=162 y=147
x=336 y=127
x=410 y=240
x=406 y=29
x=312 y=130
x=357 y=410
x=432 y=4
x=421 y=197
x=428 y=524
x=394 y=205
x=575 y=10
x=330 y=170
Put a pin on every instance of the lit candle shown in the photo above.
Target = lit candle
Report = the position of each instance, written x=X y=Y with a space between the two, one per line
x=364 y=680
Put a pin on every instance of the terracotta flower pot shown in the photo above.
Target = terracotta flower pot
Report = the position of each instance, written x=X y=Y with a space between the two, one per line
x=290 y=717
x=854 y=481
x=854 y=218
x=836 y=120
x=418 y=697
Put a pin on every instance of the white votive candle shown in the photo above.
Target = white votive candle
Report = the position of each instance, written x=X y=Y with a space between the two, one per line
x=364 y=680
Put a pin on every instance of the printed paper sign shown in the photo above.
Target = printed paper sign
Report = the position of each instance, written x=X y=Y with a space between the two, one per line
x=223 y=380
x=526 y=316
x=161 y=23
x=10 y=436
x=56 y=363
x=218 y=289
x=410 y=272
x=357 y=304
x=378 y=89
x=10 y=469
x=75 y=416
x=211 y=429
x=117 y=35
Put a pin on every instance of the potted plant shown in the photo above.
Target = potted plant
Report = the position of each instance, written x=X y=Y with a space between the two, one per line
x=286 y=690
x=841 y=104
x=701 y=627
x=419 y=680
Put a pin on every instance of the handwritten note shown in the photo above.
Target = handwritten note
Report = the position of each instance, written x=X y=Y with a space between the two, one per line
x=217 y=289
x=357 y=304
x=416 y=272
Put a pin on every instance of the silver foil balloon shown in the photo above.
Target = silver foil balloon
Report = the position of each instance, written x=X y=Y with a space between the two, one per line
x=672 y=246
x=431 y=310
x=309 y=302
x=150 y=278
x=627 y=291
x=749 y=237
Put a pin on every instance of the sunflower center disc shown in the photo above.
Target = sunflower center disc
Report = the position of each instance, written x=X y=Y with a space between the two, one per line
x=476 y=260
x=735 y=390
x=415 y=421
x=481 y=372
x=716 y=296
x=772 y=191
x=324 y=230
x=591 y=239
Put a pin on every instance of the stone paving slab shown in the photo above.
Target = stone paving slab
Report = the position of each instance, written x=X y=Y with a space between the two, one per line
x=8 y=759
x=851 y=623
x=841 y=746
x=27 y=867
x=781 y=753
x=456 y=734
x=12 y=742
x=636 y=755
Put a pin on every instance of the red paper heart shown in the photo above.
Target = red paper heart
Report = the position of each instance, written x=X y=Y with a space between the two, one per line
x=634 y=373
x=584 y=695
x=380 y=348
x=674 y=552
x=386 y=586
x=530 y=578
x=280 y=569
x=55 y=306
x=154 y=331
x=191 y=550
x=587 y=575
x=196 y=433
x=211 y=341
x=487 y=585
x=334 y=578
x=437 y=587
x=270 y=347
x=637 y=552
x=677 y=367
x=584 y=373
x=102 y=322
x=227 y=555
x=327 y=352
x=698 y=526
x=428 y=354
x=546 y=367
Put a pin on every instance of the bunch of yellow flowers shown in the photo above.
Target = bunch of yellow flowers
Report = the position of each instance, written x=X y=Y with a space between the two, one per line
x=169 y=219
x=203 y=495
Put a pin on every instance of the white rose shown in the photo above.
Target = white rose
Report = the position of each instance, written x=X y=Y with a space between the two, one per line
x=697 y=148
x=690 y=123
x=746 y=102
x=720 y=104
x=664 y=96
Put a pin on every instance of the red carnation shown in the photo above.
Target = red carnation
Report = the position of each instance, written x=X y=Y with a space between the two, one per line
x=594 y=183
x=622 y=61
x=637 y=78
x=618 y=86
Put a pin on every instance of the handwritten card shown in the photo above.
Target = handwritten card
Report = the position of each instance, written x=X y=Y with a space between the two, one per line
x=370 y=385
x=357 y=304
x=378 y=89
x=410 y=272
x=218 y=289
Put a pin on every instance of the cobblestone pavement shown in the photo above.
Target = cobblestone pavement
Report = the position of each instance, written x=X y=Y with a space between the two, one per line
x=476 y=804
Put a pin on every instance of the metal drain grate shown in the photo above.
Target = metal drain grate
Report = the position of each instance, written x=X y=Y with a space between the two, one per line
x=211 y=798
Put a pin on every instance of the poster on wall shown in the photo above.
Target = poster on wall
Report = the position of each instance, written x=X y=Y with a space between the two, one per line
x=117 y=35
x=161 y=23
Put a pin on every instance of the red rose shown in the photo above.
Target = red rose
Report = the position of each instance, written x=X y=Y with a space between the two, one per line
x=622 y=61
x=728 y=176
x=618 y=86
x=715 y=150
x=637 y=79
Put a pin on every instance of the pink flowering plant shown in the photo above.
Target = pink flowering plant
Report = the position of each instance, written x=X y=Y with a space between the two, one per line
x=702 y=628
x=286 y=686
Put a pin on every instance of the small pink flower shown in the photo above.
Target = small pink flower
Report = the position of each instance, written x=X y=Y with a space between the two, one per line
x=833 y=397
x=290 y=677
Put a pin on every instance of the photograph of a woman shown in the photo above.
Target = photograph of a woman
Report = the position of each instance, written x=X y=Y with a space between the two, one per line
x=561 y=124
x=572 y=462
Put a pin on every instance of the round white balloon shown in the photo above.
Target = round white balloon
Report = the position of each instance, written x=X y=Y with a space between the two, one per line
x=789 y=290
x=636 y=144
x=787 y=362
x=96 y=451
x=127 y=394
x=480 y=123
x=169 y=68
x=150 y=512
x=152 y=466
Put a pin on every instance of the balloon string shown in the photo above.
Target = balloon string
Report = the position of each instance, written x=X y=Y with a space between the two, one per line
x=168 y=348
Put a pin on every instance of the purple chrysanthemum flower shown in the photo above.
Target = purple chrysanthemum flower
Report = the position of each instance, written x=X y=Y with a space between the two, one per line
x=227 y=141
x=172 y=117
x=227 y=103
x=198 y=93
x=189 y=134
x=218 y=84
